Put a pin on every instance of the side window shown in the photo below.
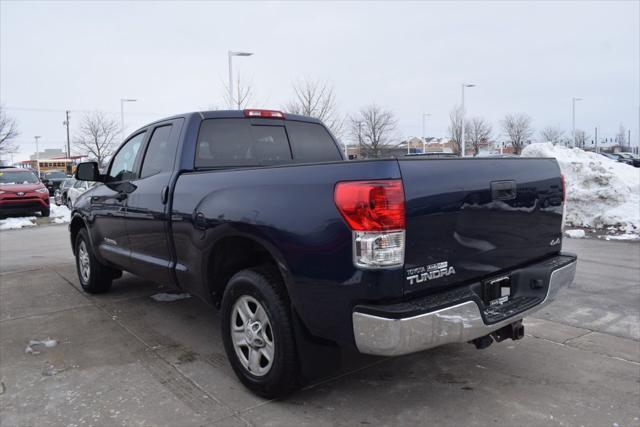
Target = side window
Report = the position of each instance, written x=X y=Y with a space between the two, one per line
x=123 y=162
x=161 y=152
x=310 y=142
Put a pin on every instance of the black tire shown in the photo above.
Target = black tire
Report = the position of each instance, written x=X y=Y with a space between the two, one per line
x=99 y=278
x=267 y=288
x=45 y=212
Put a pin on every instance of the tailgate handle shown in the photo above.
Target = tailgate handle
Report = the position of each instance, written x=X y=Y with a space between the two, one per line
x=503 y=190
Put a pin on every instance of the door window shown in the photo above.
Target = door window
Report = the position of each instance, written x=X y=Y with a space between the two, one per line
x=124 y=161
x=161 y=152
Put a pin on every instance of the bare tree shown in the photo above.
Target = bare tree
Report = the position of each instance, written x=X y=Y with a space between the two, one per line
x=243 y=94
x=621 y=136
x=97 y=137
x=317 y=99
x=552 y=134
x=374 y=129
x=477 y=132
x=518 y=129
x=581 y=138
x=8 y=131
x=455 y=128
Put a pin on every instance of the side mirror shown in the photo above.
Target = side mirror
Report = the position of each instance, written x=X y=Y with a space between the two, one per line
x=88 y=171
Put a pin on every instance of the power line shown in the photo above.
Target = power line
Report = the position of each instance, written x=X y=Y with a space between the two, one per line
x=52 y=110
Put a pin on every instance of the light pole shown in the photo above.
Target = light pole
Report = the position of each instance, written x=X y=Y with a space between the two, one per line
x=122 y=101
x=573 y=119
x=462 y=146
x=424 y=129
x=37 y=155
x=231 y=55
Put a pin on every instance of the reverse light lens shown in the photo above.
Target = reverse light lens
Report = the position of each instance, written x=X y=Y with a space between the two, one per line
x=378 y=250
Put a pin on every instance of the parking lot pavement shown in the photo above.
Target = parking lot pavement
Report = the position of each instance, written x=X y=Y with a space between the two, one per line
x=126 y=359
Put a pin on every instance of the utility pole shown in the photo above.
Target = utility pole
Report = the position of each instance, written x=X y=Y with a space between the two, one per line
x=462 y=146
x=424 y=131
x=66 y=123
x=573 y=119
x=596 y=139
x=37 y=155
x=230 y=55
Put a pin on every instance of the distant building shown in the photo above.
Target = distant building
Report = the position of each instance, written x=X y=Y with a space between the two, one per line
x=48 y=153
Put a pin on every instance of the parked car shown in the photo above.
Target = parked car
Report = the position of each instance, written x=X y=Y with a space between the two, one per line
x=22 y=192
x=52 y=180
x=618 y=157
x=60 y=195
x=633 y=158
x=78 y=188
x=259 y=214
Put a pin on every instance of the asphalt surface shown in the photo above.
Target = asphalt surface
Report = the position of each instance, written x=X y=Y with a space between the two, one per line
x=125 y=359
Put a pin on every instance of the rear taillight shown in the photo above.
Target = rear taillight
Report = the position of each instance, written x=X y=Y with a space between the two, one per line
x=374 y=210
x=264 y=114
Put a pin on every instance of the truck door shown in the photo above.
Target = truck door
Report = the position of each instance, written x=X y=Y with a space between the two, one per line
x=148 y=205
x=108 y=204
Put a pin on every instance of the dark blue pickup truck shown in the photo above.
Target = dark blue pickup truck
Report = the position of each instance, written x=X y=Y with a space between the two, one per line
x=258 y=213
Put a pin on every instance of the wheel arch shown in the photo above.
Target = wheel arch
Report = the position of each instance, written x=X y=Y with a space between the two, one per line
x=237 y=251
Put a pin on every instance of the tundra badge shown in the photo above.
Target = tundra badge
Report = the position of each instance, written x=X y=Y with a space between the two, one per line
x=430 y=272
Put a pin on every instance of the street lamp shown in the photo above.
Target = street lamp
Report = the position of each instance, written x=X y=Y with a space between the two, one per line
x=573 y=118
x=462 y=146
x=37 y=155
x=424 y=135
x=122 y=101
x=231 y=55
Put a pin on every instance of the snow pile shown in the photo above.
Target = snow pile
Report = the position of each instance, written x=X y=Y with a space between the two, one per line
x=575 y=234
x=60 y=214
x=166 y=297
x=15 y=223
x=600 y=192
x=32 y=347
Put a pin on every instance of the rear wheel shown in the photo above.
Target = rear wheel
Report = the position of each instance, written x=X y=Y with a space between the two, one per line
x=258 y=333
x=94 y=277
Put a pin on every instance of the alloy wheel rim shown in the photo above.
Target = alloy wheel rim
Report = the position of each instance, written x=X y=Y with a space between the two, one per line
x=83 y=262
x=252 y=335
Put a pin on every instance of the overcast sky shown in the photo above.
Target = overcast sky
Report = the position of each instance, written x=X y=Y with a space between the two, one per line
x=408 y=57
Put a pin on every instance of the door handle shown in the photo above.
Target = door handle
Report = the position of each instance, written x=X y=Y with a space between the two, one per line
x=165 y=194
x=503 y=190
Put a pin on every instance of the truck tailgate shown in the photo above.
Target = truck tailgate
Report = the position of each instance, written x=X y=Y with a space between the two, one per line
x=468 y=219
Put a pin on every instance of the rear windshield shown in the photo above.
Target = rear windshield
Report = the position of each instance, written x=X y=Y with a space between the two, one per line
x=55 y=175
x=239 y=142
x=17 y=177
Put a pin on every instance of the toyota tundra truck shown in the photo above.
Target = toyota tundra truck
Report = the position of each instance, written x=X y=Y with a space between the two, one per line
x=258 y=213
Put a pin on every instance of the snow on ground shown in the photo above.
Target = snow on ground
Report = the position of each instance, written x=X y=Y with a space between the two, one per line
x=60 y=214
x=165 y=297
x=15 y=223
x=601 y=193
x=32 y=347
x=575 y=234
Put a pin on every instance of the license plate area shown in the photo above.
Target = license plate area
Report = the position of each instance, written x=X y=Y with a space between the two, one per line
x=496 y=291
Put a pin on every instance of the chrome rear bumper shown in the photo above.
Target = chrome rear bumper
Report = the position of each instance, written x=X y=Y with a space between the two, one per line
x=459 y=323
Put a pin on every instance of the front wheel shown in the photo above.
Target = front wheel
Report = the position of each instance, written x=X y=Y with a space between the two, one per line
x=258 y=334
x=45 y=212
x=94 y=277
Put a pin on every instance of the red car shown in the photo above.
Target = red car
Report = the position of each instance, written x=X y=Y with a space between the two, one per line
x=22 y=192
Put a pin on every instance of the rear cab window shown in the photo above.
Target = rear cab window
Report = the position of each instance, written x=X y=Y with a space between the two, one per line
x=242 y=142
